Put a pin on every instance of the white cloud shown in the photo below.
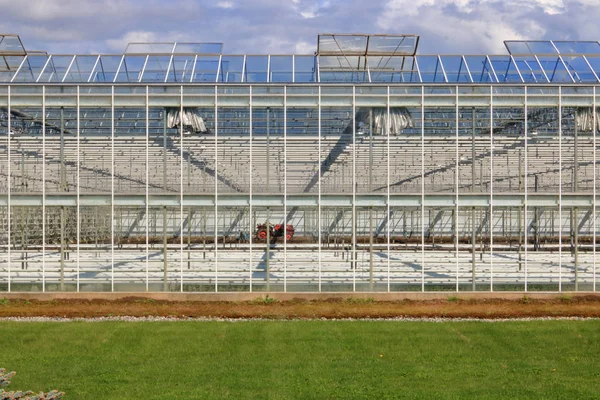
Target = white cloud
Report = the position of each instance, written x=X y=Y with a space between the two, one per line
x=225 y=4
x=305 y=48
x=270 y=26
x=483 y=25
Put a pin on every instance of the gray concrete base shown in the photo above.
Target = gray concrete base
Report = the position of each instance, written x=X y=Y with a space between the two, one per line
x=280 y=296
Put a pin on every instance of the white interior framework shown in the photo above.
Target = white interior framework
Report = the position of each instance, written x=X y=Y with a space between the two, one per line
x=477 y=176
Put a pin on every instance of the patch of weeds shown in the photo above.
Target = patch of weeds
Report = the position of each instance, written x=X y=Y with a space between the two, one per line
x=453 y=299
x=269 y=300
x=264 y=300
x=4 y=301
x=145 y=301
x=360 y=300
x=566 y=298
x=525 y=299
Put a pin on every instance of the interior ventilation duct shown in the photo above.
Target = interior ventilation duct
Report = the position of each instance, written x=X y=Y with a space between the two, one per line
x=377 y=118
x=585 y=119
x=192 y=121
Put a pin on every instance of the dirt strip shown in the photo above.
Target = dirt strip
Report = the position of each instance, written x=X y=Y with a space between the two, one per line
x=333 y=308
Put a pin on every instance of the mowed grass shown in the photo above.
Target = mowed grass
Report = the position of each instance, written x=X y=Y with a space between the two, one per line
x=306 y=359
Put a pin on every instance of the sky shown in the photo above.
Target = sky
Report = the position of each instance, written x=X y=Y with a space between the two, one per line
x=292 y=26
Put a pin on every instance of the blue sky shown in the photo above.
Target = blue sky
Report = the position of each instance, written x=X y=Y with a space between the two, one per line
x=291 y=26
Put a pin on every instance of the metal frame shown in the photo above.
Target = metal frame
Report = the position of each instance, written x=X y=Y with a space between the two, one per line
x=319 y=140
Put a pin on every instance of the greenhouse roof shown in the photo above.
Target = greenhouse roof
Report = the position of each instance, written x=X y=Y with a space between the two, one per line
x=340 y=58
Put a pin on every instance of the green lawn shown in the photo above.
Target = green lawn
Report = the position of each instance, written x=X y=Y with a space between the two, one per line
x=306 y=359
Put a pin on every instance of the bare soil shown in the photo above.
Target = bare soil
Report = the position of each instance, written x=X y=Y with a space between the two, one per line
x=584 y=306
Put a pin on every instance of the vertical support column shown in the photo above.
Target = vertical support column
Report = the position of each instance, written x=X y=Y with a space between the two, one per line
x=574 y=211
x=146 y=200
x=112 y=189
x=560 y=221
x=268 y=241
x=319 y=200
x=62 y=189
x=164 y=208
x=216 y=219
x=8 y=189
x=354 y=227
x=78 y=212
x=456 y=175
x=43 y=188
x=526 y=180
x=473 y=225
x=285 y=221
x=422 y=188
x=181 y=194
x=389 y=214
x=594 y=177
x=370 y=207
x=519 y=210
x=491 y=219
x=251 y=212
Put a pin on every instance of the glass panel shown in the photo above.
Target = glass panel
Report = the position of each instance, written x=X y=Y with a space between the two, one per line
x=480 y=68
x=393 y=44
x=505 y=69
x=455 y=69
x=149 y=48
x=337 y=265
x=256 y=69
x=56 y=69
x=31 y=69
x=371 y=148
x=406 y=262
x=206 y=68
x=156 y=68
x=405 y=155
x=181 y=69
x=508 y=248
x=131 y=69
x=530 y=47
x=304 y=69
x=231 y=69
x=81 y=69
x=530 y=69
x=11 y=44
x=199 y=48
x=554 y=69
x=440 y=150
x=8 y=67
x=431 y=69
x=392 y=69
x=267 y=149
x=509 y=149
x=281 y=69
x=336 y=150
x=106 y=69
x=542 y=149
x=474 y=149
x=572 y=47
x=342 y=44
x=371 y=264
x=267 y=251
x=579 y=69
x=95 y=156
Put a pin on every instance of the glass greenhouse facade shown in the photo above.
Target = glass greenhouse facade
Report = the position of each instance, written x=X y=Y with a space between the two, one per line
x=363 y=167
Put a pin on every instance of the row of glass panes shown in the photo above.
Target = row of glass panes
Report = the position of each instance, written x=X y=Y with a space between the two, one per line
x=302 y=68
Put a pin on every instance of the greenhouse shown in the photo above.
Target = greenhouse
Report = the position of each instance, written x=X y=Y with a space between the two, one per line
x=365 y=166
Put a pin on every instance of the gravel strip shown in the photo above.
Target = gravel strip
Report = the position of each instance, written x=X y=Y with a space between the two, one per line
x=217 y=319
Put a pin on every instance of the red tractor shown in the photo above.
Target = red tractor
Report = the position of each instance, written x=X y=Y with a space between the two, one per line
x=275 y=231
